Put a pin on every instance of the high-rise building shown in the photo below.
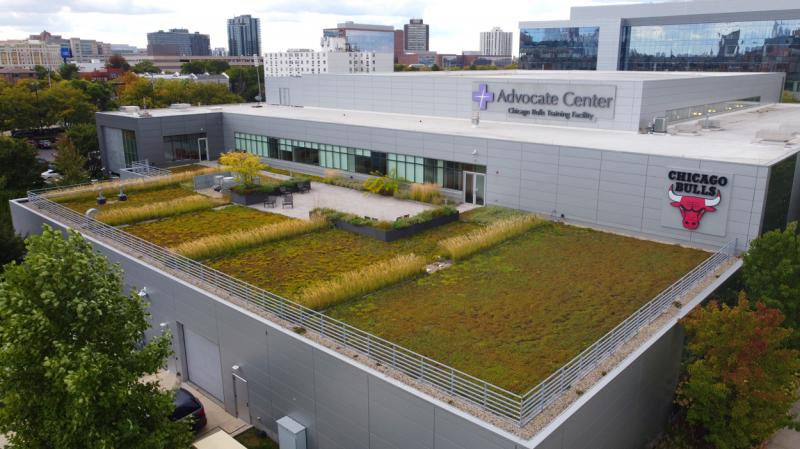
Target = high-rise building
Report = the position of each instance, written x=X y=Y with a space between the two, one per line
x=28 y=53
x=363 y=37
x=219 y=51
x=244 y=36
x=496 y=42
x=416 y=35
x=296 y=62
x=702 y=35
x=82 y=50
x=178 y=42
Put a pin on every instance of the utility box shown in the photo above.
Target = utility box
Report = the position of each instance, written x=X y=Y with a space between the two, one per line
x=291 y=434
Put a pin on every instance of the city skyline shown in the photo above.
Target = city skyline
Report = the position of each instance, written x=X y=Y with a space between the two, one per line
x=285 y=24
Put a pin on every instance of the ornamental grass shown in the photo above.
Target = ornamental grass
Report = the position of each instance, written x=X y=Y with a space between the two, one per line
x=462 y=246
x=362 y=281
x=160 y=209
x=219 y=244
x=427 y=193
x=111 y=188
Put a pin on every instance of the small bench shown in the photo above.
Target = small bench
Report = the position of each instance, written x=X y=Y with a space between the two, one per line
x=288 y=200
x=270 y=202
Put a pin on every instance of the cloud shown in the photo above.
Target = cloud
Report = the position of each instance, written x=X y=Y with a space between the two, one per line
x=116 y=7
x=407 y=8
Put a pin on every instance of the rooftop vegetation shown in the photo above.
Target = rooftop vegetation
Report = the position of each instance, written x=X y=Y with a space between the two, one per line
x=515 y=313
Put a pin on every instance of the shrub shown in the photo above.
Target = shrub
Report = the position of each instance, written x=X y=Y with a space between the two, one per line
x=243 y=189
x=742 y=380
x=424 y=216
x=489 y=214
x=427 y=193
x=246 y=165
x=465 y=245
x=382 y=184
x=160 y=209
x=333 y=215
x=215 y=245
x=362 y=281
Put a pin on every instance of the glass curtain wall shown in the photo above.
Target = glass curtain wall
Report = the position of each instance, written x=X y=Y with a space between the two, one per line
x=129 y=148
x=182 y=147
x=419 y=169
x=753 y=46
x=572 y=48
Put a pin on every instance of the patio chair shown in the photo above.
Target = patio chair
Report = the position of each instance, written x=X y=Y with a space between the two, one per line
x=288 y=200
x=303 y=187
x=270 y=202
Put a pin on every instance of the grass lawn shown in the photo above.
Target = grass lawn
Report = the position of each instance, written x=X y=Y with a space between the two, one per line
x=515 y=313
x=134 y=199
x=285 y=267
x=175 y=230
x=252 y=439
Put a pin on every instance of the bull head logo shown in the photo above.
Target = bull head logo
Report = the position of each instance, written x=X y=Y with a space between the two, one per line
x=693 y=207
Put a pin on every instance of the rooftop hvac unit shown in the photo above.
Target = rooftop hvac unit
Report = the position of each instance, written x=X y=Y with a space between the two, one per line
x=659 y=125
x=130 y=109
x=180 y=106
x=291 y=434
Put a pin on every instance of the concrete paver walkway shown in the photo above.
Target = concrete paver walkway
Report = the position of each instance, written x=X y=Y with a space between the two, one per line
x=346 y=200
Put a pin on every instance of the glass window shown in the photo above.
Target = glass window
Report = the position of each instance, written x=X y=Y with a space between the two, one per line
x=746 y=46
x=573 y=48
x=129 y=148
x=183 y=147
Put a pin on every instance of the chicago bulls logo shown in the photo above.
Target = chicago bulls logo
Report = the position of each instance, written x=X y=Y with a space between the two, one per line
x=693 y=208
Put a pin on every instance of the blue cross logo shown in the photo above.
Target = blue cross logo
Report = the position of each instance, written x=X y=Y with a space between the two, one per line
x=482 y=96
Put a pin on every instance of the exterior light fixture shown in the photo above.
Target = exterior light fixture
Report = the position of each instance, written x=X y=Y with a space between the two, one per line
x=101 y=199
x=122 y=196
x=235 y=367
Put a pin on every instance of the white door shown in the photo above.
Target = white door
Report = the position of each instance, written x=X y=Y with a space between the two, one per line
x=203 y=364
x=474 y=188
x=202 y=148
x=242 y=399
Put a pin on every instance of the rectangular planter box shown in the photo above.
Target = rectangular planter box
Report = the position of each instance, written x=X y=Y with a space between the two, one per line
x=390 y=235
x=252 y=198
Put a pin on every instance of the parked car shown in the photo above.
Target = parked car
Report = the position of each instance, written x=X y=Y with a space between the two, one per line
x=44 y=144
x=50 y=175
x=186 y=406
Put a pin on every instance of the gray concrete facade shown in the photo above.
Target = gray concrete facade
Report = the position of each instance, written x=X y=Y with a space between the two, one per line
x=345 y=404
x=150 y=133
x=638 y=97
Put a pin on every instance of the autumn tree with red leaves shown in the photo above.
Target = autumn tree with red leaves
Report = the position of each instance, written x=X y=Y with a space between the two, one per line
x=742 y=380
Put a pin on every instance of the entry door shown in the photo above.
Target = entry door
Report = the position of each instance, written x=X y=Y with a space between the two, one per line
x=202 y=148
x=203 y=363
x=242 y=398
x=474 y=188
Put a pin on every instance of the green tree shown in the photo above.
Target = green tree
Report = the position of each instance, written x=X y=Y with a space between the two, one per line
x=138 y=91
x=245 y=80
x=84 y=137
x=195 y=67
x=161 y=93
x=68 y=71
x=435 y=68
x=70 y=163
x=100 y=93
x=20 y=105
x=117 y=61
x=42 y=72
x=73 y=357
x=742 y=380
x=65 y=105
x=216 y=66
x=145 y=66
x=771 y=272
x=19 y=168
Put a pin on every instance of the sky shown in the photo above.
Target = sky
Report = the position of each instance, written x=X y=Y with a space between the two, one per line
x=454 y=26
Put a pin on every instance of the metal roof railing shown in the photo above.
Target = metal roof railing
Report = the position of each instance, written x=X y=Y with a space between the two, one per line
x=516 y=408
